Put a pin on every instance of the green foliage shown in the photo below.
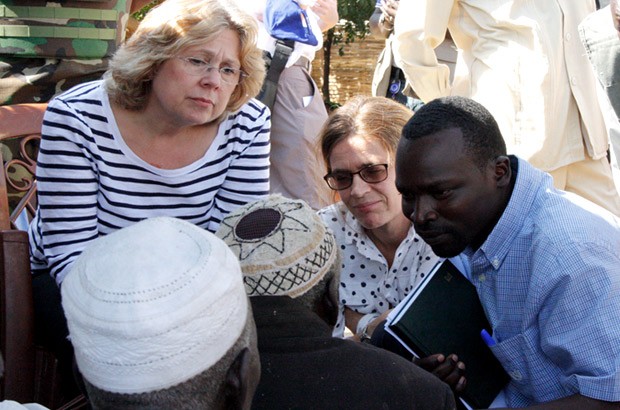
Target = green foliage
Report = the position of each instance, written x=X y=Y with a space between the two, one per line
x=332 y=105
x=354 y=15
x=139 y=15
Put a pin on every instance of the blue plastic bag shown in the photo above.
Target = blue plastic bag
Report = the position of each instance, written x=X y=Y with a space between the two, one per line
x=286 y=20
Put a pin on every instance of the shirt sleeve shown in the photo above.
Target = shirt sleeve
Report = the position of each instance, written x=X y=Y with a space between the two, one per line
x=578 y=321
x=420 y=27
x=67 y=187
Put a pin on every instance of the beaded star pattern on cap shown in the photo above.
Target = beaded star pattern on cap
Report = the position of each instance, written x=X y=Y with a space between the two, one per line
x=283 y=246
x=153 y=305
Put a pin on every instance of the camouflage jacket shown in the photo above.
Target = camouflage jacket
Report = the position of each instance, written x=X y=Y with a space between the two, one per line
x=75 y=29
x=48 y=47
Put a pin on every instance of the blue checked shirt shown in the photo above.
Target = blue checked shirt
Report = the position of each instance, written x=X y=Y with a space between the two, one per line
x=548 y=277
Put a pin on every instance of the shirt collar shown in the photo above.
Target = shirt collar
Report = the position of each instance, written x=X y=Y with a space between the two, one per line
x=522 y=200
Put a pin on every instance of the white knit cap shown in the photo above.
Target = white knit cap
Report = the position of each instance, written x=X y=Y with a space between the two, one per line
x=13 y=405
x=153 y=305
x=282 y=244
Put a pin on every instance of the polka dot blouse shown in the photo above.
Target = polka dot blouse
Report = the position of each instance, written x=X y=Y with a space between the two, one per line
x=367 y=284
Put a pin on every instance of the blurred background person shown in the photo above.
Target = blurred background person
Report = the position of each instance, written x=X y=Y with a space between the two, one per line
x=297 y=107
x=388 y=79
x=523 y=61
x=600 y=35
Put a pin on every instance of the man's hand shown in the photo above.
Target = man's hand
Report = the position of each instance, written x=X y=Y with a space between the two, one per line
x=381 y=21
x=389 y=8
x=327 y=12
x=448 y=369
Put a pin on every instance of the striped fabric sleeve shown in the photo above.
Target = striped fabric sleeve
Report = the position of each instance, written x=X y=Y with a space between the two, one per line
x=67 y=188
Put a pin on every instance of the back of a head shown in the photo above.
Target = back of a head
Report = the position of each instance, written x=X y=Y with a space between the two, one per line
x=284 y=250
x=481 y=134
x=157 y=314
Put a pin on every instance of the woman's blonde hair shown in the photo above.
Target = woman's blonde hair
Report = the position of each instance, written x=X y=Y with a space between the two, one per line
x=377 y=118
x=171 y=27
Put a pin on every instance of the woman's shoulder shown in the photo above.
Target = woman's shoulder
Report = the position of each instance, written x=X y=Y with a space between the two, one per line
x=81 y=114
x=250 y=124
x=86 y=93
x=252 y=111
x=83 y=103
x=334 y=215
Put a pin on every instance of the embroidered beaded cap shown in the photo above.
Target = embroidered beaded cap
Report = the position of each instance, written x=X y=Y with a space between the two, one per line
x=153 y=305
x=283 y=246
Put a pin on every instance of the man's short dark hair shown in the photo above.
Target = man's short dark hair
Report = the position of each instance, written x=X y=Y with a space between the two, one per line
x=481 y=134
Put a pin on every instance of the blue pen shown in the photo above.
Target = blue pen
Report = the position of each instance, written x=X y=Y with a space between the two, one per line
x=488 y=339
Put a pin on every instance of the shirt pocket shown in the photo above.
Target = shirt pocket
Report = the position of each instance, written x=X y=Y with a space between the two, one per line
x=512 y=353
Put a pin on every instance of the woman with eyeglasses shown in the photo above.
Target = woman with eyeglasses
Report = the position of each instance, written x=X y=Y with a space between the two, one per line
x=383 y=259
x=171 y=130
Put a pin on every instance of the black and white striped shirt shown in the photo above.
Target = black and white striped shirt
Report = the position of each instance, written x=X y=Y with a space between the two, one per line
x=90 y=183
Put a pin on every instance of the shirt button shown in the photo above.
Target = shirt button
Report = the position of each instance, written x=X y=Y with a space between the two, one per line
x=567 y=36
x=495 y=263
x=516 y=375
x=573 y=80
x=481 y=277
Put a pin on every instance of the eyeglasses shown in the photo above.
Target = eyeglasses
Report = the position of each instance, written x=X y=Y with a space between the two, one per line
x=372 y=174
x=197 y=67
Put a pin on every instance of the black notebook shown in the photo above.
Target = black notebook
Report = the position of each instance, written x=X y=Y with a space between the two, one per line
x=444 y=315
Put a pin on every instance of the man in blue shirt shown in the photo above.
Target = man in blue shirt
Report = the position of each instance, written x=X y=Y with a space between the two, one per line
x=545 y=263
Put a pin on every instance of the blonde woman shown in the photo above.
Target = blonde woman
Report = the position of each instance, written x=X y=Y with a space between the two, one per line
x=172 y=130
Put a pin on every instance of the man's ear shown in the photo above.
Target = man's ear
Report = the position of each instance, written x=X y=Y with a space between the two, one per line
x=236 y=388
x=503 y=172
x=330 y=301
x=326 y=305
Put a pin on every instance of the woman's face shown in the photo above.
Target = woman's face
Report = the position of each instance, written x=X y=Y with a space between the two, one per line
x=374 y=205
x=185 y=98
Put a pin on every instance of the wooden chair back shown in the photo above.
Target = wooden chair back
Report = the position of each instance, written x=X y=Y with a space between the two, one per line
x=20 y=128
x=20 y=133
x=16 y=318
x=30 y=371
